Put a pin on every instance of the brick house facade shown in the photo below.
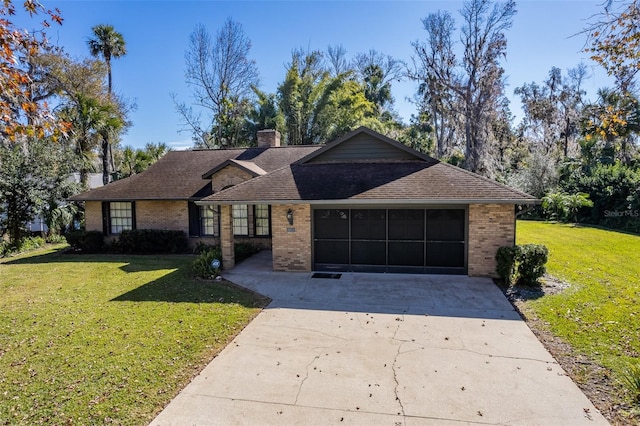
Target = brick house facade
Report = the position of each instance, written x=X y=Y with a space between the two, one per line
x=362 y=202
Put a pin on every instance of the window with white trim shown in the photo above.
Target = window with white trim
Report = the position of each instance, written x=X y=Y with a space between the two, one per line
x=240 y=220
x=120 y=216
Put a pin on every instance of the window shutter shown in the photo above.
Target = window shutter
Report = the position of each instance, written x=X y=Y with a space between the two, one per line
x=105 y=217
x=133 y=215
x=194 y=219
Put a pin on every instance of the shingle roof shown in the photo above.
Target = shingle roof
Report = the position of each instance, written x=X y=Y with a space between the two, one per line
x=425 y=182
x=178 y=175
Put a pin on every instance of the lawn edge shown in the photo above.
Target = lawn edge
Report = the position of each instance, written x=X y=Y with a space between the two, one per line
x=595 y=381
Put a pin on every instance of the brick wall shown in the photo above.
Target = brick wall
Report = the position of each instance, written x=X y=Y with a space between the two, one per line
x=173 y=215
x=228 y=176
x=93 y=215
x=291 y=250
x=226 y=237
x=490 y=226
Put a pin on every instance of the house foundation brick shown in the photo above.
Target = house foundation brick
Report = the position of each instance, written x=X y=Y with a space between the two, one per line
x=490 y=226
x=226 y=237
x=291 y=243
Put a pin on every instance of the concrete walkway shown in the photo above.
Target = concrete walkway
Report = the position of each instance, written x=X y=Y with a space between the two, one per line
x=380 y=349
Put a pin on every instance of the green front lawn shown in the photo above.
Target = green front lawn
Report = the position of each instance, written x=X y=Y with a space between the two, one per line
x=599 y=314
x=87 y=339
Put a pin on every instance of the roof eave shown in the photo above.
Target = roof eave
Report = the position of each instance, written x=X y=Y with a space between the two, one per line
x=360 y=201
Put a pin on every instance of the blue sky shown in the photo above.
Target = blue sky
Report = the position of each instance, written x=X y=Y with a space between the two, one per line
x=157 y=32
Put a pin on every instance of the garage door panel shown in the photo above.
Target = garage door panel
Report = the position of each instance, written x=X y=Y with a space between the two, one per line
x=445 y=225
x=445 y=254
x=336 y=252
x=406 y=225
x=368 y=252
x=332 y=223
x=369 y=224
x=406 y=253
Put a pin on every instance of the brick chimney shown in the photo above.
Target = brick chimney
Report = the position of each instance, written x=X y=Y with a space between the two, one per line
x=268 y=138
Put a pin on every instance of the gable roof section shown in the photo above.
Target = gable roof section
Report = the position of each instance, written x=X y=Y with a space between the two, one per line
x=248 y=166
x=363 y=144
x=366 y=167
x=178 y=175
x=428 y=182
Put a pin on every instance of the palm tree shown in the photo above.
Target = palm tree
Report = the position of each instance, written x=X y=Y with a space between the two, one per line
x=90 y=119
x=107 y=43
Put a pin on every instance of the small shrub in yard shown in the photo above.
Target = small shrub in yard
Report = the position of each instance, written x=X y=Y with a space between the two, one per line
x=631 y=378
x=523 y=264
x=244 y=250
x=201 y=247
x=532 y=260
x=506 y=264
x=151 y=241
x=87 y=242
x=202 y=265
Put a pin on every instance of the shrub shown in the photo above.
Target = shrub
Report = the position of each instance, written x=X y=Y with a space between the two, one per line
x=202 y=265
x=201 y=247
x=151 y=241
x=86 y=241
x=242 y=251
x=532 y=259
x=523 y=264
x=506 y=264
x=631 y=378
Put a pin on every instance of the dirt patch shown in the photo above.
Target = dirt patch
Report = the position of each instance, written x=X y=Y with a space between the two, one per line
x=595 y=381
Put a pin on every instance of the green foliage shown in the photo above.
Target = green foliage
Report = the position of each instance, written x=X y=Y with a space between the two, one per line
x=33 y=177
x=506 y=264
x=522 y=264
x=631 y=378
x=532 y=259
x=10 y=248
x=148 y=241
x=201 y=247
x=614 y=190
x=86 y=241
x=202 y=265
x=134 y=161
x=563 y=207
x=244 y=250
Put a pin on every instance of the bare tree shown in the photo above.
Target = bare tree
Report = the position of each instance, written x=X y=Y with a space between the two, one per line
x=337 y=60
x=376 y=71
x=475 y=82
x=434 y=66
x=222 y=76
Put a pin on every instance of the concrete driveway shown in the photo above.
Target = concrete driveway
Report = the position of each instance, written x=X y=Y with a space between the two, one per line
x=380 y=349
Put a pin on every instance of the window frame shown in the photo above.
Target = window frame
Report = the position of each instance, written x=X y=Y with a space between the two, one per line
x=109 y=210
x=240 y=222
x=256 y=218
x=214 y=220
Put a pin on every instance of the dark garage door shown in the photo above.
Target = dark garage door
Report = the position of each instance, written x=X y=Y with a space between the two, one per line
x=390 y=240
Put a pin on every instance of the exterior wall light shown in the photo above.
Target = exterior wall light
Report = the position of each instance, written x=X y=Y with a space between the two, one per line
x=290 y=217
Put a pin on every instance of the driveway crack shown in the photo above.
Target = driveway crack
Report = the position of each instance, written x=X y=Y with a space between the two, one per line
x=395 y=370
x=304 y=379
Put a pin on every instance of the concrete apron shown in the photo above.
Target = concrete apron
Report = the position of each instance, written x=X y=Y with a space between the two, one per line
x=373 y=349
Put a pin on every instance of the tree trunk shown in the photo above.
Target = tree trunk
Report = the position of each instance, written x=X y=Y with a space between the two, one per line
x=105 y=159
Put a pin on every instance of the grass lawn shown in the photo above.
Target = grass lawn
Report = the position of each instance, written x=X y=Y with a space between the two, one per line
x=88 y=339
x=599 y=314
